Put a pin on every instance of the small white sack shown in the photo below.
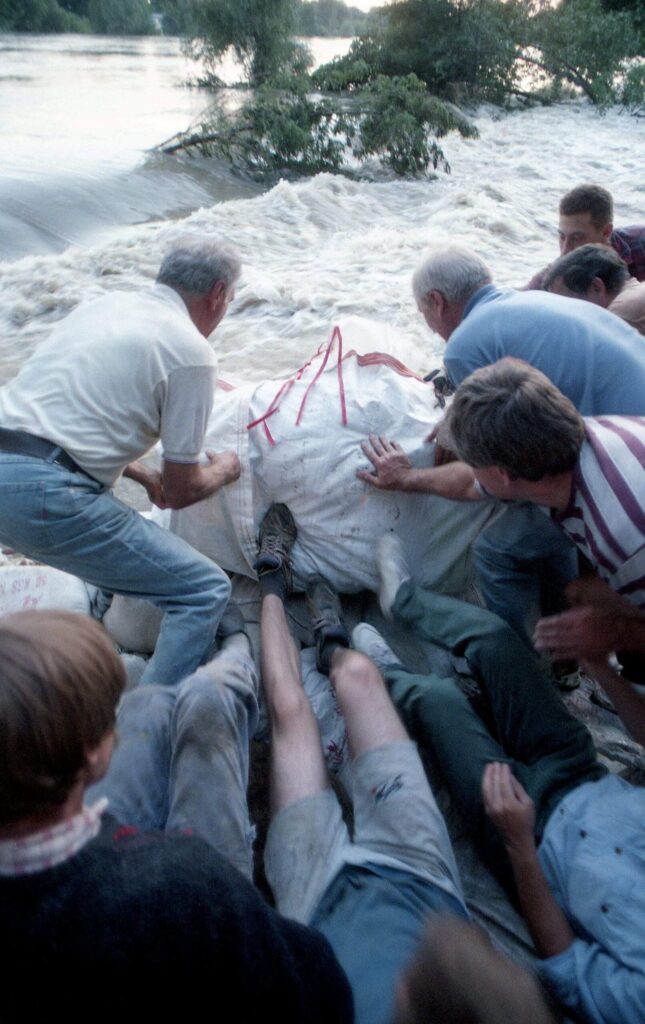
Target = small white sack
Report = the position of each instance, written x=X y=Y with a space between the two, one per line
x=39 y=586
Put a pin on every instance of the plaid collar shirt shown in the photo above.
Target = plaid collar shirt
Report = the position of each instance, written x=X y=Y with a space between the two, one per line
x=51 y=846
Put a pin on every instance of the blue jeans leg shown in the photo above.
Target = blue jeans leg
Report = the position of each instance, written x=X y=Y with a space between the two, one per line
x=524 y=561
x=215 y=716
x=71 y=522
x=136 y=784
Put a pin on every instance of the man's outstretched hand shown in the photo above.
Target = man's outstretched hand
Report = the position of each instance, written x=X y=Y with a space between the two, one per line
x=391 y=465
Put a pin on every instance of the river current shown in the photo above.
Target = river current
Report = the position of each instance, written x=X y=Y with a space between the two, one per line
x=313 y=250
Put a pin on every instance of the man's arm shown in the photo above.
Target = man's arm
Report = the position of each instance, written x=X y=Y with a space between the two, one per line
x=629 y=704
x=511 y=810
x=185 y=483
x=591 y=632
x=393 y=471
x=150 y=479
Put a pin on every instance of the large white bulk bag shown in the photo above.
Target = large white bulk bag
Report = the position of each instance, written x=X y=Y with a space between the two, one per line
x=298 y=442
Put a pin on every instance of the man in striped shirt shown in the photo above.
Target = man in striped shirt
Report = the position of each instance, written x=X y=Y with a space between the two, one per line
x=520 y=439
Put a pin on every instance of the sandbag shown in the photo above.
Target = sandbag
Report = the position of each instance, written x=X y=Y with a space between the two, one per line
x=298 y=441
x=39 y=586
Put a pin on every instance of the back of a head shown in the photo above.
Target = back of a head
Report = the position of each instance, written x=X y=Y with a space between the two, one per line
x=194 y=265
x=455 y=271
x=592 y=199
x=60 y=682
x=579 y=268
x=511 y=416
x=458 y=977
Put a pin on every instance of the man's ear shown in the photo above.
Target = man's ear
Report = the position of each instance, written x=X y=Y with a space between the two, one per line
x=439 y=300
x=597 y=292
x=97 y=761
x=217 y=295
x=607 y=233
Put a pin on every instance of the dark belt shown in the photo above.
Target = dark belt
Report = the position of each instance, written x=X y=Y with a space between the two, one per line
x=20 y=443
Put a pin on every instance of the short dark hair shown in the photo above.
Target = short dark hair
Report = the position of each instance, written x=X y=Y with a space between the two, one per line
x=578 y=269
x=592 y=199
x=511 y=416
x=60 y=681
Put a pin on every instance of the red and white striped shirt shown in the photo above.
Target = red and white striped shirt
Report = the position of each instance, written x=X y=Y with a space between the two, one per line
x=605 y=517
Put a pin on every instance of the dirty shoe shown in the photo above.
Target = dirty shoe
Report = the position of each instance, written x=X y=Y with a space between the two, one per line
x=327 y=621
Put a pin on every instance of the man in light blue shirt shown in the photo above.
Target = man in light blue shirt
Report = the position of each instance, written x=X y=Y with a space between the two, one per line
x=552 y=822
x=595 y=359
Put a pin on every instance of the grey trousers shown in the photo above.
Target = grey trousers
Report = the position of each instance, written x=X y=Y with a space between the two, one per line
x=182 y=757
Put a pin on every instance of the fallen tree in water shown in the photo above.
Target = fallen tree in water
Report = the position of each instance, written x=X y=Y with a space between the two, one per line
x=390 y=97
x=285 y=128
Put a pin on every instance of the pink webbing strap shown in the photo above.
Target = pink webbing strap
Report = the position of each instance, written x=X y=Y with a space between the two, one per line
x=370 y=359
x=321 y=369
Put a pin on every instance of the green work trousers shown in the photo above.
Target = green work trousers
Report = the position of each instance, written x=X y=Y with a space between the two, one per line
x=549 y=750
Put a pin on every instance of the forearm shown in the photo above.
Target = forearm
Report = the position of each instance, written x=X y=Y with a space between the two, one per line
x=629 y=704
x=547 y=924
x=186 y=483
x=455 y=481
x=138 y=472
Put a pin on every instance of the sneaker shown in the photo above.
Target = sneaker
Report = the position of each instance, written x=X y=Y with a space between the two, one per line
x=277 y=536
x=393 y=570
x=327 y=620
x=370 y=642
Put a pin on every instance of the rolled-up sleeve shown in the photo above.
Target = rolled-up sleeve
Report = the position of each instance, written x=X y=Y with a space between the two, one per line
x=586 y=979
x=187 y=402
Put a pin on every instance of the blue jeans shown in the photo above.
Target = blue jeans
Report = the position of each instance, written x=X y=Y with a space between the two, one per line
x=524 y=562
x=70 y=521
x=182 y=757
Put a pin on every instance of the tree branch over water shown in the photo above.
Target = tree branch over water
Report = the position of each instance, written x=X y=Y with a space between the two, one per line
x=391 y=97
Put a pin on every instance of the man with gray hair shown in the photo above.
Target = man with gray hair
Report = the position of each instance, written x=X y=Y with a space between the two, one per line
x=597 y=274
x=113 y=378
x=594 y=358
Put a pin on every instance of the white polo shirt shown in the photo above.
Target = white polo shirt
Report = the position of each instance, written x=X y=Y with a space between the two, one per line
x=113 y=378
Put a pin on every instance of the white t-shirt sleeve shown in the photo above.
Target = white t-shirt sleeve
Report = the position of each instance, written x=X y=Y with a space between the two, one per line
x=186 y=402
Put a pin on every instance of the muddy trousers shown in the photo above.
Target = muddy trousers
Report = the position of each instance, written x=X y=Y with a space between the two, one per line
x=182 y=757
x=549 y=750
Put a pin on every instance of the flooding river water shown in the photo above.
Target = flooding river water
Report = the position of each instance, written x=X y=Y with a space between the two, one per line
x=85 y=209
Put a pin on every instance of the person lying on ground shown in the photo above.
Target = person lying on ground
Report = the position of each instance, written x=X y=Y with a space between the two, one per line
x=597 y=274
x=98 y=919
x=596 y=360
x=560 y=832
x=586 y=216
x=520 y=439
x=182 y=758
x=114 y=377
x=369 y=894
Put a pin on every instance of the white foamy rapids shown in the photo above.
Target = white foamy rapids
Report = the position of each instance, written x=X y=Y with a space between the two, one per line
x=329 y=246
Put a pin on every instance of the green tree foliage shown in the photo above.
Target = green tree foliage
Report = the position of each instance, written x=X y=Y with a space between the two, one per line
x=329 y=18
x=107 y=17
x=585 y=45
x=288 y=129
x=397 y=123
x=120 y=17
x=259 y=32
x=39 y=16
